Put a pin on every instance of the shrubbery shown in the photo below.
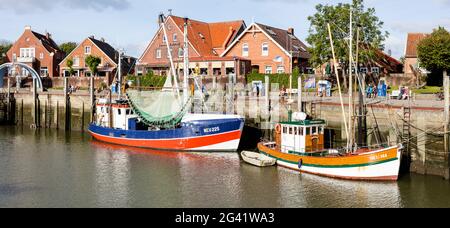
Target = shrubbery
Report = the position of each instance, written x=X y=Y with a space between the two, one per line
x=281 y=79
x=148 y=80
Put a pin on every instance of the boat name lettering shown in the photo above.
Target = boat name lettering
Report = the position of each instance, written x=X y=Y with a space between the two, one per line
x=212 y=130
x=378 y=157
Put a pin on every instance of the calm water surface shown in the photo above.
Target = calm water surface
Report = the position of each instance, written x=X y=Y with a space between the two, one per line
x=47 y=168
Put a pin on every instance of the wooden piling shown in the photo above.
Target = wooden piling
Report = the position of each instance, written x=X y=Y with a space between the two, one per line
x=82 y=117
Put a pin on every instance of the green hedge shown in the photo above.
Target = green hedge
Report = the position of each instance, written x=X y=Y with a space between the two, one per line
x=281 y=79
x=148 y=80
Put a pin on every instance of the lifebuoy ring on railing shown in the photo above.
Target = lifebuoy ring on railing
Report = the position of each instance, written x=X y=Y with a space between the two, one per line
x=278 y=128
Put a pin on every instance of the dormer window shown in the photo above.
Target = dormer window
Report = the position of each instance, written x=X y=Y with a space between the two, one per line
x=87 y=50
x=175 y=37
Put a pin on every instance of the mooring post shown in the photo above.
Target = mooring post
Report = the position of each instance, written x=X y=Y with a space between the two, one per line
x=21 y=112
x=57 y=115
x=446 y=112
x=82 y=117
x=67 y=104
x=92 y=98
x=8 y=106
x=35 y=104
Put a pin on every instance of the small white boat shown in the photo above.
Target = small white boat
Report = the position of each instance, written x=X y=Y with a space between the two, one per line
x=258 y=159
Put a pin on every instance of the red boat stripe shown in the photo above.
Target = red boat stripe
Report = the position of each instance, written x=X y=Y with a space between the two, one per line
x=177 y=144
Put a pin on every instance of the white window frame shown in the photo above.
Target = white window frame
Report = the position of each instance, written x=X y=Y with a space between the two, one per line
x=280 y=70
x=14 y=57
x=44 y=69
x=158 y=53
x=28 y=52
x=41 y=55
x=76 y=62
x=268 y=70
x=87 y=50
x=245 y=50
x=175 y=37
x=265 y=52
x=180 y=52
x=375 y=70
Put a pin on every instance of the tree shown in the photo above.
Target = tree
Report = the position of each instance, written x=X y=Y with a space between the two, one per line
x=339 y=19
x=93 y=62
x=4 y=48
x=70 y=65
x=68 y=47
x=434 y=55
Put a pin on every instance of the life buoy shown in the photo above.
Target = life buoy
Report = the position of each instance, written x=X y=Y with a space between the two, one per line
x=278 y=128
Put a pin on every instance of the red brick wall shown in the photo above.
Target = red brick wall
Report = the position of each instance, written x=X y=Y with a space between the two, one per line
x=79 y=52
x=149 y=57
x=28 y=40
x=255 y=42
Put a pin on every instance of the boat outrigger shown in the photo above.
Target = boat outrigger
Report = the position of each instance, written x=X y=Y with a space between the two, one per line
x=161 y=119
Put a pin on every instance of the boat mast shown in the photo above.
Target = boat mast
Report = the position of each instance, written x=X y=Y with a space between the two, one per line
x=350 y=98
x=338 y=82
x=186 y=61
x=120 y=74
x=169 y=52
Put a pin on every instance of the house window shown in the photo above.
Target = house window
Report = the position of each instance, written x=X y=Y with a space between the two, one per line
x=41 y=55
x=375 y=70
x=44 y=71
x=363 y=70
x=27 y=52
x=14 y=57
x=158 y=53
x=245 y=50
x=265 y=49
x=175 y=37
x=180 y=52
x=280 y=69
x=269 y=70
x=164 y=39
x=76 y=62
x=170 y=51
x=87 y=50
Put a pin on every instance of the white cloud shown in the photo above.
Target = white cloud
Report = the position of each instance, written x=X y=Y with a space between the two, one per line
x=26 y=6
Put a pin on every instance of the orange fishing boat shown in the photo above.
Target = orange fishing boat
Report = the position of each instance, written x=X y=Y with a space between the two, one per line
x=300 y=146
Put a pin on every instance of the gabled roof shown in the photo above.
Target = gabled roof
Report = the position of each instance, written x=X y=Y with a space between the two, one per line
x=106 y=48
x=48 y=42
x=206 y=37
x=412 y=43
x=289 y=43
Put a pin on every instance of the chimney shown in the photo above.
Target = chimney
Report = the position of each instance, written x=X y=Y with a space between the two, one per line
x=92 y=37
x=27 y=27
x=48 y=35
x=103 y=40
x=291 y=31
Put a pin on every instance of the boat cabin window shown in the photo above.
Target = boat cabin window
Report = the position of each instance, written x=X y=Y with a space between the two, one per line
x=308 y=131
x=314 y=130
x=301 y=130
x=284 y=130
x=291 y=131
x=119 y=111
x=295 y=130
x=128 y=111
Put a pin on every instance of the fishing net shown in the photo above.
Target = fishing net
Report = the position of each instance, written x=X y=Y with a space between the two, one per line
x=163 y=109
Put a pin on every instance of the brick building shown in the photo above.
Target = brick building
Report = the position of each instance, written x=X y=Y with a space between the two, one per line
x=98 y=48
x=207 y=41
x=411 y=57
x=271 y=50
x=37 y=51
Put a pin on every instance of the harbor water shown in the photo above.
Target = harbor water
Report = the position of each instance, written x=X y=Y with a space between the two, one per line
x=50 y=168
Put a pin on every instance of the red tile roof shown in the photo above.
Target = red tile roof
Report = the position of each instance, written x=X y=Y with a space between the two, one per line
x=210 y=38
x=413 y=41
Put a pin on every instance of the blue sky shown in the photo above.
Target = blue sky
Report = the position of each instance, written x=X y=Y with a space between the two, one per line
x=131 y=24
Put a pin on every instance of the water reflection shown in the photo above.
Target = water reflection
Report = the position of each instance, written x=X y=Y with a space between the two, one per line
x=55 y=169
